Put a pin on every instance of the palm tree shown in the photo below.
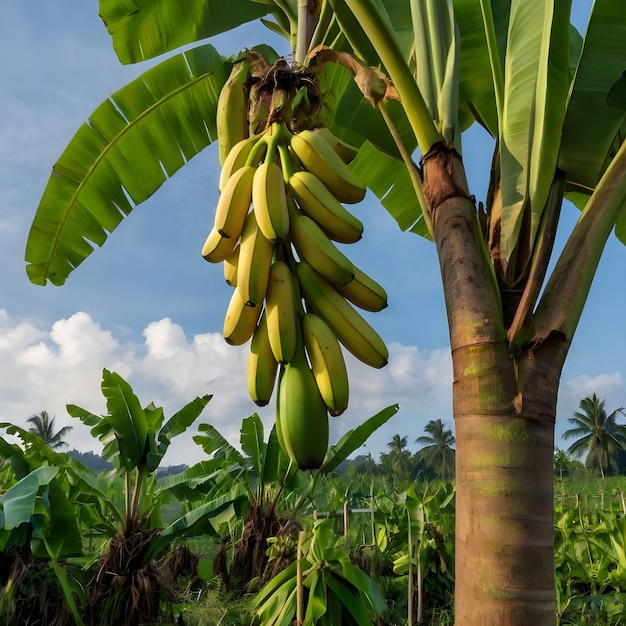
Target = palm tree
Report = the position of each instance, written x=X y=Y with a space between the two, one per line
x=551 y=101
x=438 y=452
x=396 y=461
x=598 y=434
x=43 y=426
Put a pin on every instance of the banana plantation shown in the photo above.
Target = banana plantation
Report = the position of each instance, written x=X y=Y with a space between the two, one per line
x=359 y=96
x=127 y=546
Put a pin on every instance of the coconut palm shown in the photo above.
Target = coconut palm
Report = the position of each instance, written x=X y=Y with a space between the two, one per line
x=438 y=452
x=552 y=102
x=396 y=461
x=43 y=426
x=598 y=434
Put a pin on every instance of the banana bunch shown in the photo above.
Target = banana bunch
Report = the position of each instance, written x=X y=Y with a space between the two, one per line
x=278 y=219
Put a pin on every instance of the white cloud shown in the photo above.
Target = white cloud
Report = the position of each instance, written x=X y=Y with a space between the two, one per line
x=47 y=368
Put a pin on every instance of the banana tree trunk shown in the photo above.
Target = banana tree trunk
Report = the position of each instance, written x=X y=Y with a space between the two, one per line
x=504 y=410
x=505 y=500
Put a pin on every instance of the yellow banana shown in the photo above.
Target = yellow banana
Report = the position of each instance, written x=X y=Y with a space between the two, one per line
x=364 y=292
x=346 y=151
x=349 y=326
x=269 y=199
x=314 y=246
x=321 y=206
x=237 y=158
x=240 y=320
x=217 y=247
x=281 y=312
x=262 y=366
x=318 y=157
x=230 y=267
x=255 y=258
x=329 y=366
x=232 y=109
x=301 y=416
x=234 y=202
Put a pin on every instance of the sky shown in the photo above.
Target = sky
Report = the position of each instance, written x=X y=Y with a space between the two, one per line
x=147 y=306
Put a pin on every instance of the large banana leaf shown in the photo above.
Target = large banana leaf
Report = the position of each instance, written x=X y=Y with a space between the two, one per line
x=597 y=104
x=14 y=455
x=60 y=536
x=24 y=499
x=142 y=29
x=387 y=177
x=276 y=462
x=203 y=520
x=536 y=73
x=131 y=143
x=176 y=425
x=126 y=419
x=252 y=443
x=354 y=439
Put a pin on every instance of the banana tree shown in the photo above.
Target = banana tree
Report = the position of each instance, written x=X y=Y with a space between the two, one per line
x=552 y=100
x=276 y=489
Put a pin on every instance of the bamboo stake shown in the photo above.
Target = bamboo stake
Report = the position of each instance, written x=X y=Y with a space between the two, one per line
x=299 y=586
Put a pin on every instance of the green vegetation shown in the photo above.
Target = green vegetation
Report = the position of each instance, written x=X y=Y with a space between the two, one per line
x=218 y=543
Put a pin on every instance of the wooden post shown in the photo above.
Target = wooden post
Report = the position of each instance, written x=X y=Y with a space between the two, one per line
x=621 y=493
x=346 y=523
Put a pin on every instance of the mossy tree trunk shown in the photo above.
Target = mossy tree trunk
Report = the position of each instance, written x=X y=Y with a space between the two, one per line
x=504 y=410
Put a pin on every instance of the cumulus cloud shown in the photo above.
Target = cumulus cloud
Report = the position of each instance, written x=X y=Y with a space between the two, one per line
x=48 y=368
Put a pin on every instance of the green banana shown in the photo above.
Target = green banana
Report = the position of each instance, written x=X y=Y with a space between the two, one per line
x=301 y=416
x=320 y=205
x=262 y=366
x=240 y=320
x=237 y=158
x=364 y=292
x=281 y=312
x=232 y=109
x=216 y=248
x=314 y=246
x=318 y=157
x=352 y=330
x=234 y=202
x=230 y=267
x=269 y=199
x=329 y=366
x=346 y=151
x=255 y=258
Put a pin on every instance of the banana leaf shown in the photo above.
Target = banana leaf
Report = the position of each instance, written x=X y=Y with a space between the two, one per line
x=60 y=536
x=597 y=104
x=130 y=145
x=252 y=443
x=213 y=442
x=203 y=520
x=354 y=439
x=21 y=501
x=143 y=29
x=276 y=462
x=177 y=425
x=14 y=455
x=126 y=419
x=536 y=73
x=389 y=179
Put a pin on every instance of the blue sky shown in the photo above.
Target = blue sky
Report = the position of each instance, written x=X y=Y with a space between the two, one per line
x=149 y=307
